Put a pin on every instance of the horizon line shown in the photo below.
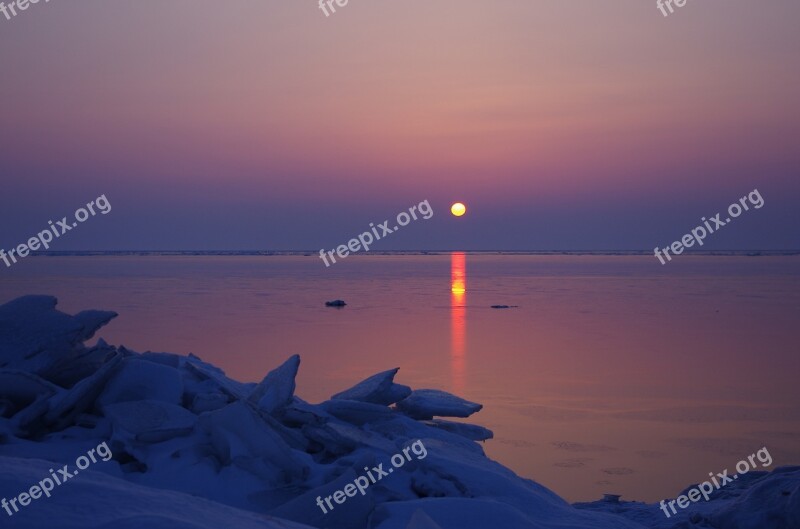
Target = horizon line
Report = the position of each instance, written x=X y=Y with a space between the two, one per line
x=66 y=253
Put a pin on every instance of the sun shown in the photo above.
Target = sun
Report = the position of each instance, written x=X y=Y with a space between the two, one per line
x=458 y=209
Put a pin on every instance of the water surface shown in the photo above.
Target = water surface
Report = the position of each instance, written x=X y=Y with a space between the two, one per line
x=607 y=374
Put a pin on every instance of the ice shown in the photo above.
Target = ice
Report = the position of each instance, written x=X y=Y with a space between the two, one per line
x=203 y=402
x=773 y=500
x=195 y=449
x=80 y=398
x=277 y=388
x=150 y=421
x=36 y=335
x=237 y=432
x=94 y=499
x=377 y=389
x=139 y=379
x=203 y=371
x=470 y=431
x=355 y=412
x=430 y=403
x=756 y=500
x=19 y=390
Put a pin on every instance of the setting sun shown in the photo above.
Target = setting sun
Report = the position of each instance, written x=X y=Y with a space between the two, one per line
x=458 y=209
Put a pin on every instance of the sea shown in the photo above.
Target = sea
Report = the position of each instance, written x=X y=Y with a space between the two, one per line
x=598 y=373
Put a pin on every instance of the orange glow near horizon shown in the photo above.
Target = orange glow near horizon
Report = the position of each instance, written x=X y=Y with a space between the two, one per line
x=458 y=319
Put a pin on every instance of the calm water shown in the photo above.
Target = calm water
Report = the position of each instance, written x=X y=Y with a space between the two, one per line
x=612 y=374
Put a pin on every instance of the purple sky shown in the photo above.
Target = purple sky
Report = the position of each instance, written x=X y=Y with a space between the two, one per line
x=578 y=125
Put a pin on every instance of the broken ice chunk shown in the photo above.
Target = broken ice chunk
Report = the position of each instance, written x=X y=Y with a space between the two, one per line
x=377 y=389
x=430 y=403
x=277 y=388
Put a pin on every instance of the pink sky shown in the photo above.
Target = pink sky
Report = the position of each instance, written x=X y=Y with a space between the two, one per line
x=531 y=112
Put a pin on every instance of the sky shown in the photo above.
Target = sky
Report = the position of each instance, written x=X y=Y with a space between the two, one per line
x=265 y=125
